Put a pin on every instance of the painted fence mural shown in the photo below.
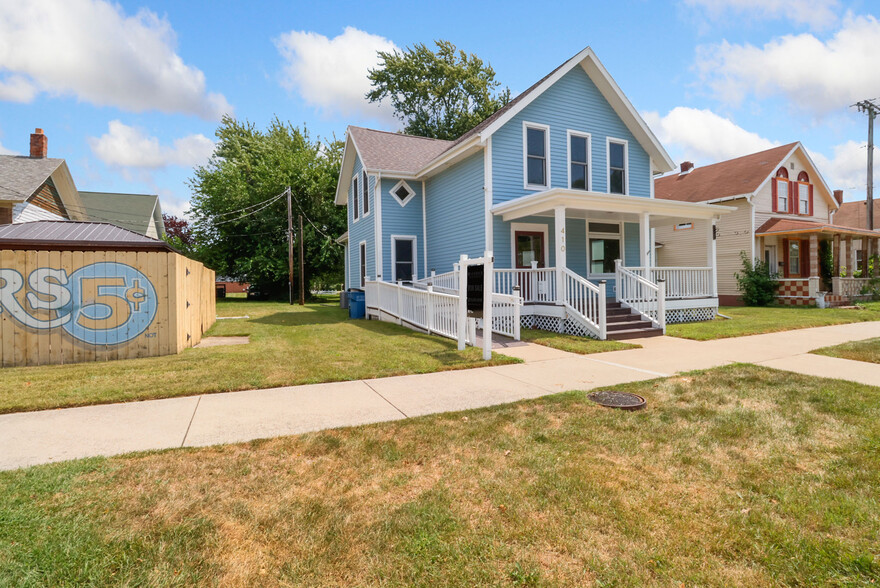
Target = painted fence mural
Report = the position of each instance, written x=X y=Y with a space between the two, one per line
x=75 y=306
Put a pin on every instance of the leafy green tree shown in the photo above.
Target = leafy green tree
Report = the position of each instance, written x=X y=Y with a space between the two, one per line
x=239 y=220
x=440 y=94
x=756 y=283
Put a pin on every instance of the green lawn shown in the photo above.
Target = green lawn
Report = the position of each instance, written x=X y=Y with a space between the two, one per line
x=731 y=477
x=867 y=350
x=750 y=320
x=289 y=345
x=572 y=344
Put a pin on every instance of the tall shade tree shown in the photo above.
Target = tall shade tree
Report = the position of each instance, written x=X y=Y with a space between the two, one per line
x=239 y=222
x=440 y=94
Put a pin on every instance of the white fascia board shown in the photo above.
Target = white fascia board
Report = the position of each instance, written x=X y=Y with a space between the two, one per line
x=346 y=169
x=828 y=191
x=576 y=199
x=447 y=158
x=776 y=167
x=612 y=93
x=343 y=238
x=747 y=196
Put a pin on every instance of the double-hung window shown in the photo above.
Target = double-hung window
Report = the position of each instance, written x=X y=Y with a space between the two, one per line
x=617 y=157
x=604 y=247
x=780 y=191
x=366 y=192
x=803 y=193
x=356 y=207
x=578 y=161
x=536 y=155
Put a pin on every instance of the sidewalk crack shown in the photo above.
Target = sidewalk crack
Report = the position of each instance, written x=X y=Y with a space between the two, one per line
x=385 y=399
x=191 y=419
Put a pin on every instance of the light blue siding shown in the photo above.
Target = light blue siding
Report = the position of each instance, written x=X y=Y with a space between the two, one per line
x=362 y=230
x=631 y=245
x=401 y=220
x=503 y=238
x=576 y=245
x=456 y=211
x=572 y=103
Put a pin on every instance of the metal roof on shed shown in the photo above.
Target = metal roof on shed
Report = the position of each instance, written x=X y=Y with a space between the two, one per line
x=48 y=234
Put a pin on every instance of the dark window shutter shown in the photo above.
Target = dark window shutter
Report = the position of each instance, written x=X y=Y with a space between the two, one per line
x=805 y=258
x=775 y=195
x=785 y=258
x=794 y=202
x=811 y=199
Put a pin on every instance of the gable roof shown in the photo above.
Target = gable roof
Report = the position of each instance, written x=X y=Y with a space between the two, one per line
x=48 y=234
x=855 y=214
x=135 y=212
x=734 y=177
x=416 y=156
x=21 y=176
x=385 y=151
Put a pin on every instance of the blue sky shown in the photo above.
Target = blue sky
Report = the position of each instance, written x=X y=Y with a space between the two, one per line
x=130 y=93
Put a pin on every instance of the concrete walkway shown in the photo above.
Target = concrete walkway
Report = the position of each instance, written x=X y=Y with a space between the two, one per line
x=56 y=435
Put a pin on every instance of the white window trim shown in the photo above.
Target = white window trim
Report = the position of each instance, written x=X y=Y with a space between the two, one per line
x=362 y=262
x=415 y=244
x=525 y=156
x=394 y=197
x=568 y=135
x=365 y=205
x=620 y=236
x=355 y=208
x=787 y=183
x=626 y=174
x=533 y=228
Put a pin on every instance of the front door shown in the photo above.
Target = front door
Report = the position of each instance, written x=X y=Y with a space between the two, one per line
x=404 y=259
x=529 y=248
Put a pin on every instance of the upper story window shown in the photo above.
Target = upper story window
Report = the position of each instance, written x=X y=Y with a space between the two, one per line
x=355 y=195
x=804 y=192
x=536 y=155
x=578 y=161
x=780 y=190
x=402 y=192
x=617 y=164
x=366 y=192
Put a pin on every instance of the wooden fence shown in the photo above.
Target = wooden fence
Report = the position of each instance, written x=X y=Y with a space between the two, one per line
x=59 y=307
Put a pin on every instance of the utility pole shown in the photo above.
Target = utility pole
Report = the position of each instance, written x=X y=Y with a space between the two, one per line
x=871 y=108
x=302 y=264
x=290 y=248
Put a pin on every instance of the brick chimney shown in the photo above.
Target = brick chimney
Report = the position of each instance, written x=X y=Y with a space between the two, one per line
x=838 y=195
x=686 y=167
x=39 y=144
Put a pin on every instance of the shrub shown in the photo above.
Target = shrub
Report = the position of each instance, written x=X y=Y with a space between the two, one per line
x=756 y=283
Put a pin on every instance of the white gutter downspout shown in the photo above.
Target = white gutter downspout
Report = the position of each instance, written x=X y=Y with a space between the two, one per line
x=487 y=188
x=377 y=191
x=424 y=232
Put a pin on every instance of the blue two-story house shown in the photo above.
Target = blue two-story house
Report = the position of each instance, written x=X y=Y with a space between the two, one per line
x=558 y=185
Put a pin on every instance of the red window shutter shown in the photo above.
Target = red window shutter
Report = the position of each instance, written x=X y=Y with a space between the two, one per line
x=811 y=199
x=785 y=258
x=793 y=201
x=774 y=192
x=805 y=258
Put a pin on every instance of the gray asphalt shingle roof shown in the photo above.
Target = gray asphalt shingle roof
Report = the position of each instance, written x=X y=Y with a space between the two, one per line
x=382 y=150
x=21 y=176
x=74 y=233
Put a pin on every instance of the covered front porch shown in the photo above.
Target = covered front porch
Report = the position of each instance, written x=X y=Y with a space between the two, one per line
x=818 y=264
x=585 y=263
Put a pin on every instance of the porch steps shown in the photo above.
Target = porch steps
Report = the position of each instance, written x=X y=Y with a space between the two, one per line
x=623 y=323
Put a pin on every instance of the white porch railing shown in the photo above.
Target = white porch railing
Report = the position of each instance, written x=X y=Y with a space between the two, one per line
x=434 y=312
x=535 y=285
x=586 y=301
x=848 y=287
x=642 y=295
x=447 y=282
x=681 y=282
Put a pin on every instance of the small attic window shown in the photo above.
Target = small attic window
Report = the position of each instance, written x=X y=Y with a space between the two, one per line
x=402 y=192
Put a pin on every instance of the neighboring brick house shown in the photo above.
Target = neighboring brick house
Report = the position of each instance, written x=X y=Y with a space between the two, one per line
x=784 y=210
x=855 y=214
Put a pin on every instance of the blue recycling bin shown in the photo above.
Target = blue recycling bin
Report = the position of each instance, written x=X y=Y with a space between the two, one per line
x=357 y=305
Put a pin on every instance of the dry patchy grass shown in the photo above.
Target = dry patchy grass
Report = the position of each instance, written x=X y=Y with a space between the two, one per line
x=572 y=344
x=738 y=476
x=867 y=350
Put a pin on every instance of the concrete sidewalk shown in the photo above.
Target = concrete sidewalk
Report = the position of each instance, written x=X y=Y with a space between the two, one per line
x=56 y=435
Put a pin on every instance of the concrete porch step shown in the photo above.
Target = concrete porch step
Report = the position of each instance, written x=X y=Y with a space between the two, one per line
x=633 y=334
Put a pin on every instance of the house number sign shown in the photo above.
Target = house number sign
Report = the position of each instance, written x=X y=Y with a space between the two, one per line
x=104 y=303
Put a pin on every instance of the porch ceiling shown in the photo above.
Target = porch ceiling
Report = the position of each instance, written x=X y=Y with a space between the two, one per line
x=785 y=227
x=598 y=204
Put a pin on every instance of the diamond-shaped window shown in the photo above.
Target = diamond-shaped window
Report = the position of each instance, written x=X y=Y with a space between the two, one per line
x=402 y=192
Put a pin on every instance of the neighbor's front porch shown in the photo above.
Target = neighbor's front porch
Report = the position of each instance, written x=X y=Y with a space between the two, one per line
x=794 y=249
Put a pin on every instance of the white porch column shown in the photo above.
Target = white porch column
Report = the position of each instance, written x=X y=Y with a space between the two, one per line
x=644 y=241
x=711 y=256
x=559 y=217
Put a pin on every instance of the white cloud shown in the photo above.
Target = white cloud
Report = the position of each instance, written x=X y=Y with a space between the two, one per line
x=847 y=168
x=703 y=137
x=92 y=50
x=818 y=14
x=331 y=74
x=125 y=146
x=819 y=76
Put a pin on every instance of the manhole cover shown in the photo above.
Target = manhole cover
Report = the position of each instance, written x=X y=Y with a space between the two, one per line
x=615 y=399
